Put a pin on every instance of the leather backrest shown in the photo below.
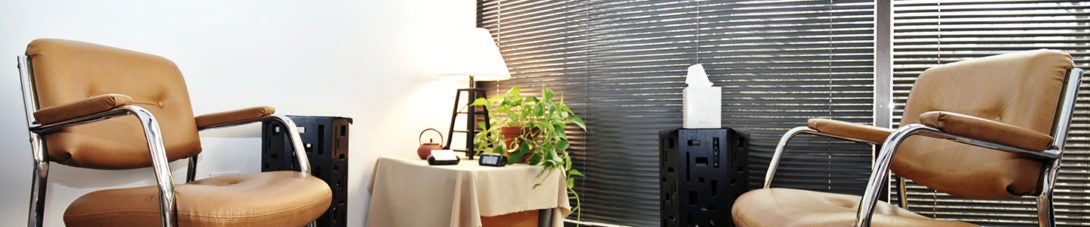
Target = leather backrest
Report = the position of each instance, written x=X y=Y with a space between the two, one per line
x=68 y=71
x=1021 y=88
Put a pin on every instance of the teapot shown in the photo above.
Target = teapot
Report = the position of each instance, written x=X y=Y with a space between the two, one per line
x=425 y=148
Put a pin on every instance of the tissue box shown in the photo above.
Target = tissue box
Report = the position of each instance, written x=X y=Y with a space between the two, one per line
x=702 y=107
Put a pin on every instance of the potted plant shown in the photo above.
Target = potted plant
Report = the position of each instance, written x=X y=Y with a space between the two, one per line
x=531 y=130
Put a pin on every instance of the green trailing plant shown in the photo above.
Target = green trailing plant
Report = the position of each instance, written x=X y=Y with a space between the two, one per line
x=541 y=140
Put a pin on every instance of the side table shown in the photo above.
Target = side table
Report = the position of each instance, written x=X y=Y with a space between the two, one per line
x=406 y=191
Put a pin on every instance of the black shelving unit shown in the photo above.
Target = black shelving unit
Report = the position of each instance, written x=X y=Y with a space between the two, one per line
x=325 y=140
x=702 y=172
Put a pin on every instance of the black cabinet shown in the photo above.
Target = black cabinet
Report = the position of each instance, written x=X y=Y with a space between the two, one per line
x=325 y=140
x=702 y=172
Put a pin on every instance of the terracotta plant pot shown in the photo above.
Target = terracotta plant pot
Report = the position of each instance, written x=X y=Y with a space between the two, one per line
x=510 y=133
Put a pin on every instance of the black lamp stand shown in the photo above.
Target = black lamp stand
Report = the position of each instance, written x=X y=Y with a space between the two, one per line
x=472 y=113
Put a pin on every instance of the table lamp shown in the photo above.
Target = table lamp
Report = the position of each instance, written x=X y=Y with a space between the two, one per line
x=471 y=54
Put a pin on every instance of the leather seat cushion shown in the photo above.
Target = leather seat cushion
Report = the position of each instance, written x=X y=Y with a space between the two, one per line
x=794 y=207
x=282 y=198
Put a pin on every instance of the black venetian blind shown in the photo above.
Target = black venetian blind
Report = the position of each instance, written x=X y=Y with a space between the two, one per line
x=621 y=65
x=929 y=33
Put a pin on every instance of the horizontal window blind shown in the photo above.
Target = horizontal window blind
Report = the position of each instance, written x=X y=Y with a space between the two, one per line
x=621 y=65
x=929 y=33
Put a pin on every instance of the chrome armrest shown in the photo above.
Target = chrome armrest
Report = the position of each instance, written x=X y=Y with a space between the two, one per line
x=880 y=170
x=119 y=111
x=293 y=135
x=775 y=162
x=154 y=139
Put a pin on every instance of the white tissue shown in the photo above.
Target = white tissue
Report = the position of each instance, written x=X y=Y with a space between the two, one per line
x=697 y=77
x=701 y=103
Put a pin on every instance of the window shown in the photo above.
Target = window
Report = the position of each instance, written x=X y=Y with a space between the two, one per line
x=621 y=65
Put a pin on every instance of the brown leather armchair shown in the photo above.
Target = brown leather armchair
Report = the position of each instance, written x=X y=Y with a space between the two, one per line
x=986 y=128
x=100 y=107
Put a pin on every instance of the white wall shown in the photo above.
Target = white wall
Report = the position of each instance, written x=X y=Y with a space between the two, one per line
x=361 y=59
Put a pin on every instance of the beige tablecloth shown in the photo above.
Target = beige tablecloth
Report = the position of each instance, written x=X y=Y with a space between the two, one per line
x=409 y=192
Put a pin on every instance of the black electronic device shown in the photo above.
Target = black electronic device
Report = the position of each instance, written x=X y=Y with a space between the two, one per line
x=493 y=160
x=703 y=171
x=325 y=140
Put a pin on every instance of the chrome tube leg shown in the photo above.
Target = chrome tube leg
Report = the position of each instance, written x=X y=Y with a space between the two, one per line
x=296 y=142
x=775 y=162
x=160 y=163
x=41 y=161
x=901 y=192
x=1045 y=212
x=191 y=171
x=880 y=172
x=40 y=180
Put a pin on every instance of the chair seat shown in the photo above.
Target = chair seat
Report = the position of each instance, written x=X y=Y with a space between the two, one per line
x=282 y=198
x=793 y=207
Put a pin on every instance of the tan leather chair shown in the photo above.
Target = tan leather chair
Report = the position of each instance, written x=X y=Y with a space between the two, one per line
x=100 y=107
x=986 y=128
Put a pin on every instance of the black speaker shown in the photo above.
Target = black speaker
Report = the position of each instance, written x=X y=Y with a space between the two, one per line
x=325 y=140
x=702 y=172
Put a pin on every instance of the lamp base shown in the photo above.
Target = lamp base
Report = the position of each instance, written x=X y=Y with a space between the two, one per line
x=473 y=115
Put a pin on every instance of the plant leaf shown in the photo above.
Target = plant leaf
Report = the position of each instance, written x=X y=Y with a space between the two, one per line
x=513 y=92
x=578 y=121
x=535 y=160
x=571 y=183
x=547 y=94
x=562 y=145
x=550 y=154
x=480 y=102
x=567 y=161
x=516 y=157
x=575 y=172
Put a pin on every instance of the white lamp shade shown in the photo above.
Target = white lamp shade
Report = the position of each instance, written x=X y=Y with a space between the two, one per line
x=471 y=52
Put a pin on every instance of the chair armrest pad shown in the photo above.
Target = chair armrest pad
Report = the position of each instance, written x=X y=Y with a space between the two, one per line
x=845 y=129
x=233 y=117
x=89 y=106
x=987 y=130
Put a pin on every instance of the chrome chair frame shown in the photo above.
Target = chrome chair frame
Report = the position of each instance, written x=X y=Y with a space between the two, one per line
x=880 y=170
x=160 y=163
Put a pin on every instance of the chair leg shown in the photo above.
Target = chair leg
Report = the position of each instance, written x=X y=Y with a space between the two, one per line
x=191 y=172
x=1046 y=215
x=40 y=180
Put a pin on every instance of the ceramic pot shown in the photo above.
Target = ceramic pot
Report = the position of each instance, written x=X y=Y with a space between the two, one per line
x=510 y=133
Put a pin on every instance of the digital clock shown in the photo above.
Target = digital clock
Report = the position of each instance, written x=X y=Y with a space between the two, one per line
x=492 y=160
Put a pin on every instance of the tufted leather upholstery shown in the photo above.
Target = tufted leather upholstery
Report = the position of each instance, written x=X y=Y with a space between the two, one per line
x=283 y=198
x=794 y=207
x=1020 y=89
x=69 y=71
